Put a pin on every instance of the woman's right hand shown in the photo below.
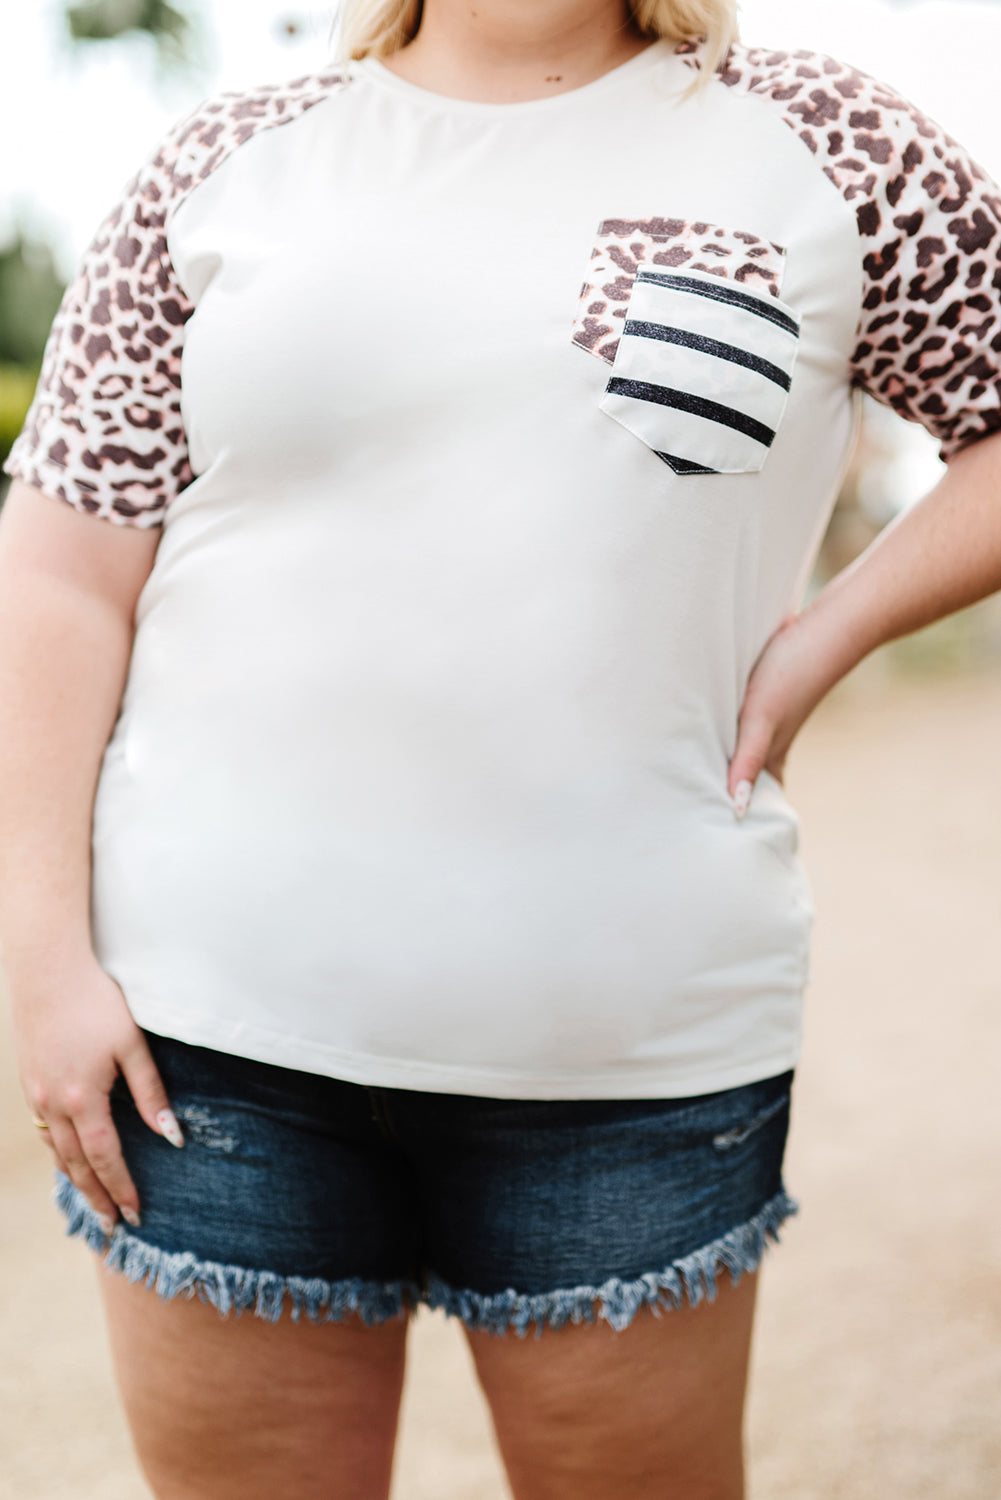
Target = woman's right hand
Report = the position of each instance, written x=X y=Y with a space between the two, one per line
x=73 y=1033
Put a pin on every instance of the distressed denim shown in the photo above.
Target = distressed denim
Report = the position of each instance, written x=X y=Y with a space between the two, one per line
x=332 y=1197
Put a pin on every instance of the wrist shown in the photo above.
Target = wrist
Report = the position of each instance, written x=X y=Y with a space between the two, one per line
x=834 y=630
x=32 y=957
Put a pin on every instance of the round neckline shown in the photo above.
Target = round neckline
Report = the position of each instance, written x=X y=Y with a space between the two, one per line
x=640 y=62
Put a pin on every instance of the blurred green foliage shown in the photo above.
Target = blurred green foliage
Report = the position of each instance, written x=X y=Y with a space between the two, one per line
x=17 y=386
x=30 y=292
x=106 y=20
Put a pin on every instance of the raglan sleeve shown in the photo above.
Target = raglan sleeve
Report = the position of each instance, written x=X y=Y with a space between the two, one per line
x=104 y=430
x=929 y=218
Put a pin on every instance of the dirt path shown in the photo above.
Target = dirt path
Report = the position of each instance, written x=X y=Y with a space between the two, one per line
x=877 y=1366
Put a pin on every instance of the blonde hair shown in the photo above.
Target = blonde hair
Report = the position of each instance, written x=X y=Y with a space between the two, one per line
x=376 y=28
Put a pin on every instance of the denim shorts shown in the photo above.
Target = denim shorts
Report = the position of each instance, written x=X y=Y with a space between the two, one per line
x=338 y=1197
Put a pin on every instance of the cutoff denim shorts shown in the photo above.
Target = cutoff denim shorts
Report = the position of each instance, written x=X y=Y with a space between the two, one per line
x=338 y=1197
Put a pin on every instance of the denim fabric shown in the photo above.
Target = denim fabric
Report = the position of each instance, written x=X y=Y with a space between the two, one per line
x=342 y=1196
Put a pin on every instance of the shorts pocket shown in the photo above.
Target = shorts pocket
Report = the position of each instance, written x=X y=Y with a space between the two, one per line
x=700 y=343
x=737 y=1133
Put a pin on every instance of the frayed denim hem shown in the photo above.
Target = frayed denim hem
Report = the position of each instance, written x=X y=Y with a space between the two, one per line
x=230 y=1288
x=690 y=1279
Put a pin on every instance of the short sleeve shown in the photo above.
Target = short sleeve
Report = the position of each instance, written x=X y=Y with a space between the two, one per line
x=104 y=429
x=929 y=219
x=928 y=340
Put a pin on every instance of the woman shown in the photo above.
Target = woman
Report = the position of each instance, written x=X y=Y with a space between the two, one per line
x=400 y=900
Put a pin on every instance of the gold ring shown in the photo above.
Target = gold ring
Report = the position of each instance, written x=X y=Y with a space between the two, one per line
x=39 y=1124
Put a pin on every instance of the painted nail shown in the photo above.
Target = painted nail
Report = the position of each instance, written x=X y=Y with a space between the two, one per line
x=169 y=1127
x=107 y=1224
x=742 y=797
x=129 y=1215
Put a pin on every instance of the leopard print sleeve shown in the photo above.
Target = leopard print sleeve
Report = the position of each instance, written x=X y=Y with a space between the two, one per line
x=928 y=342
x=104 y=431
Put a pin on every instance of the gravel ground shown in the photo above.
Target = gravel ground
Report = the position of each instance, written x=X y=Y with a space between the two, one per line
x=877 y=1366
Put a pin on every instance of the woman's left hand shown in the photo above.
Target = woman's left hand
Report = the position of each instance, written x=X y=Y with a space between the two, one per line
x=786 y=684
x=938 y=555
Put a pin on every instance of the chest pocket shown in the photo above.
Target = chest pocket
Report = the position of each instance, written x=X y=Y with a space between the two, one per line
x=701 y=346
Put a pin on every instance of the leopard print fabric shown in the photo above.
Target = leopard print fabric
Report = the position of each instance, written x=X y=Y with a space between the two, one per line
x=623 y=245
x=928 y=342
x=107 y=402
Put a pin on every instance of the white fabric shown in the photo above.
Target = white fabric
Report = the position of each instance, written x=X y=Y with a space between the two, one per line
x=420 y=776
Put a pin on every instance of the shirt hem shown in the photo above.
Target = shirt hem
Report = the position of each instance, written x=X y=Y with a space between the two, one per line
x=632 y=1081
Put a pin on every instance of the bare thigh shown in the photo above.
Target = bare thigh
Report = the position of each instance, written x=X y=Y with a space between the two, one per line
x=654 y=1412
x=238 y=1408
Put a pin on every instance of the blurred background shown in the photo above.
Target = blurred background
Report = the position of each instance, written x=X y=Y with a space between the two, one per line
x=877 y=1366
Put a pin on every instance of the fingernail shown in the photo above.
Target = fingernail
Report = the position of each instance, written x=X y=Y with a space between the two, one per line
x=107 y=1224
x=169 y=1127
x=741 y=797
x=129 y=1215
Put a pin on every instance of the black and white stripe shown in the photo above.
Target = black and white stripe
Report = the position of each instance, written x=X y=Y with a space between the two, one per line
x=715 y=347
x=720 y=291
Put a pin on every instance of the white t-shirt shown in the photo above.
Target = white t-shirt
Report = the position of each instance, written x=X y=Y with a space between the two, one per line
x=490 y=443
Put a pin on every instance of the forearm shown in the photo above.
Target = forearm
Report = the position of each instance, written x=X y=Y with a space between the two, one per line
x=939 y=556
x=63 y=660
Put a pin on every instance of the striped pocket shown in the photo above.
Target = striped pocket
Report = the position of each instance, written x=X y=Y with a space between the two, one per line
x=703 y=356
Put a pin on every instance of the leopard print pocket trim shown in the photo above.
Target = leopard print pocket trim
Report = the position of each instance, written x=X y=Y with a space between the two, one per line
x=622 y=246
